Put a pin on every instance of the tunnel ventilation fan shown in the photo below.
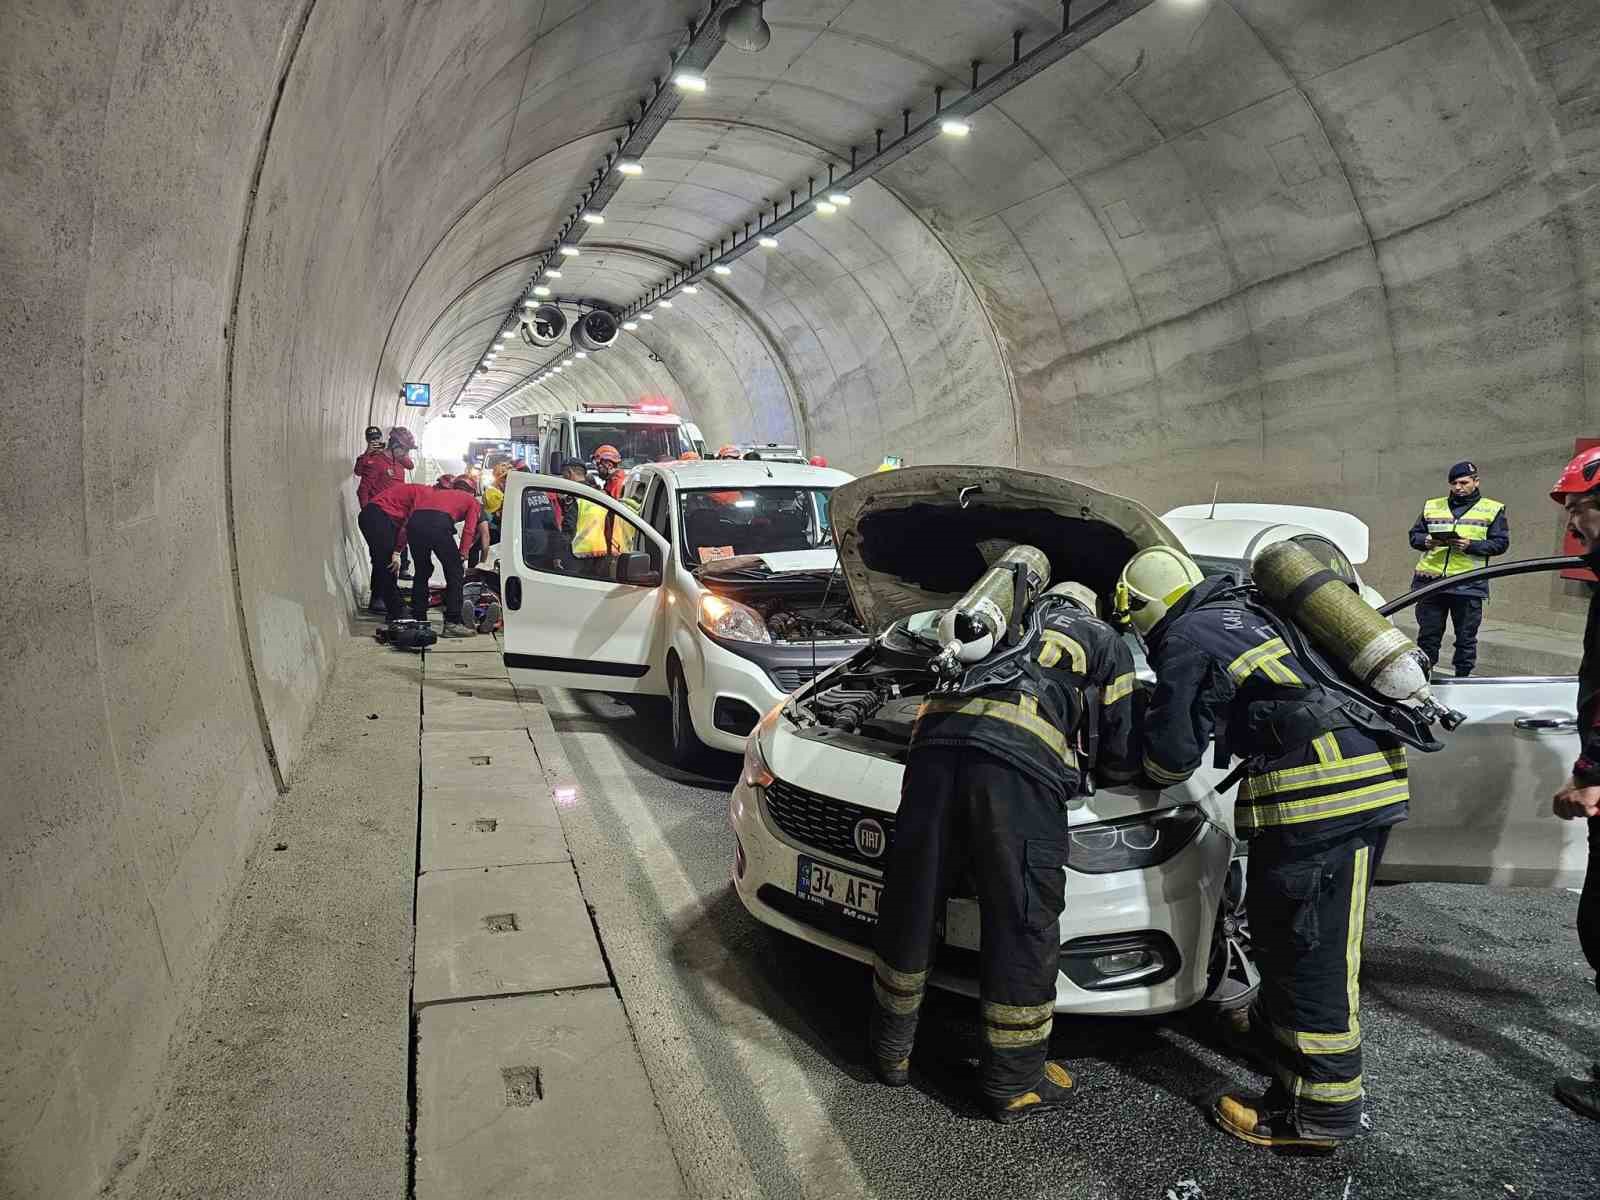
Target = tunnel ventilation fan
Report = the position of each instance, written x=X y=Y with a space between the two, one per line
x=595 y=330
x=744 y=28
x=543 y=326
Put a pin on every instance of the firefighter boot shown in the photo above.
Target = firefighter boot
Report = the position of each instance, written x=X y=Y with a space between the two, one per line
x=1581 y=1095
x=1250 y=1119
x=889 y=1040
x=1053 y=1091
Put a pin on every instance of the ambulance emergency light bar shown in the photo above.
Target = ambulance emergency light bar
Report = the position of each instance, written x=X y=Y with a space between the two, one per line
x=417 y=395
x=652 y=405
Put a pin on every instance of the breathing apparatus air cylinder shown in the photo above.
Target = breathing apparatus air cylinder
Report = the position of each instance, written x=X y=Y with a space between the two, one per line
x=1343 y=625
x=972 y=627
x=1380 y=656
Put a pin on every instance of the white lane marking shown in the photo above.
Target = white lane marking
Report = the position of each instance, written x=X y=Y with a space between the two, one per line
x=816 y=1156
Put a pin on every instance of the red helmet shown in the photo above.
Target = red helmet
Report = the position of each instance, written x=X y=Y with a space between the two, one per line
x=728 y=451
x=818 y=461
x=400 y=438
x=608 y=453
x=444 y=481
x=1581 y=476
x=689 y=456
x=464 y=483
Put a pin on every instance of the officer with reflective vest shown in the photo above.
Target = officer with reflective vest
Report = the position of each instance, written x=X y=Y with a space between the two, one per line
x=1456 y=533
x=1318 y=798
x=990 y=771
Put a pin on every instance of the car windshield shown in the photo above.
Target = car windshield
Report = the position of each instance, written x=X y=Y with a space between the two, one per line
x=637 y=443
x=727 y=522
x=1211 y=564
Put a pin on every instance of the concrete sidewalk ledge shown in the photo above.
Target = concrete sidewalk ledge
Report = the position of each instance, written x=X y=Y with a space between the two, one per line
x=503 y=930
x=486 y=814
x=537 y=1096
x=1510 y=648
x=529 y=1082
x=504 y=827
x=483 y=702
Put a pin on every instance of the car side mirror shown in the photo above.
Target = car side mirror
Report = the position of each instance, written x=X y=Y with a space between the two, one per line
x=637 y=569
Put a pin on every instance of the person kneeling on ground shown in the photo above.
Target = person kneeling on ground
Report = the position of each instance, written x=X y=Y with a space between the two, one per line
x=430 y=530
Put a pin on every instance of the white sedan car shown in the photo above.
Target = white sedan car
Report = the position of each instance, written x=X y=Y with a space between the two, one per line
x=722 y=593
x=1154 y=917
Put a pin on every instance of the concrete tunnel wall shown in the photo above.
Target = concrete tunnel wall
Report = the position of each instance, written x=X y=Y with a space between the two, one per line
x=1262 y=244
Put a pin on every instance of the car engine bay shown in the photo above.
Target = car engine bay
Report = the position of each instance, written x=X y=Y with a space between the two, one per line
x=876 y=695
x=797 y=606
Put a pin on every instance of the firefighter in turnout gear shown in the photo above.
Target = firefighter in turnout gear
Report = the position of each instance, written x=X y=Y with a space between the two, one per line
x=990 y=770
x=1318 y=798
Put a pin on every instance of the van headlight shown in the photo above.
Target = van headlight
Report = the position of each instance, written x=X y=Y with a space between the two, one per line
x=1134 y=843
x=756 y=773
x=729 y=619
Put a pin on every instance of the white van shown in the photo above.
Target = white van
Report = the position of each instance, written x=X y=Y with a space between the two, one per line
x=722 y=592
x=641 y=434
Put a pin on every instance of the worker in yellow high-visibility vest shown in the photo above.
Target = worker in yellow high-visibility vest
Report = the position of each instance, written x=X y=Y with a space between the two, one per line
x=1456 y=533
x=600 y=538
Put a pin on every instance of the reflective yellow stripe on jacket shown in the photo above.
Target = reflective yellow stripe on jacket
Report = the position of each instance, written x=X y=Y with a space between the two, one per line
x=1441 y=561
x=1023 y=713
x=1323 y=790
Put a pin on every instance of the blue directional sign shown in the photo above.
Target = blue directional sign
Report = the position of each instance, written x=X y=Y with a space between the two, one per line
x=418 y=395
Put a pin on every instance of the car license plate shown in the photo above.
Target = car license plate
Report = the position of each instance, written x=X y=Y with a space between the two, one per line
x=829 y=885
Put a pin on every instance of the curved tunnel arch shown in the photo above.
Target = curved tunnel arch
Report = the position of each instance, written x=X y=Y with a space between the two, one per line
x=1287 y=246
x=866 y=281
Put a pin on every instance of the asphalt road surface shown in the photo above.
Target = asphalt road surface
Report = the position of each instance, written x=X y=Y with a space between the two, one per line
x=1473 y=1000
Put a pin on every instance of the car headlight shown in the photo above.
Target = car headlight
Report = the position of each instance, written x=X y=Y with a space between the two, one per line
x=1133 y=843
x=729 y=619
x=756 y=773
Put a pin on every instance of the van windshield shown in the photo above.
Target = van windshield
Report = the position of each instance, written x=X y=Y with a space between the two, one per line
x=728 y=522
x=637 y=443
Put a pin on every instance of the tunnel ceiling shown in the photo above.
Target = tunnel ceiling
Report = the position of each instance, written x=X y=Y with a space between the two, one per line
x=1127 y=250
x=1224 y=235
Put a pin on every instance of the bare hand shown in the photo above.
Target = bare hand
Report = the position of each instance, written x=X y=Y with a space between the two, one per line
x=1462 y=543
x=1575 y=802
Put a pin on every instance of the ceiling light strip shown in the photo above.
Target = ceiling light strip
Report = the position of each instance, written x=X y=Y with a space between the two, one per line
x=1076 y=32
x=704 y=41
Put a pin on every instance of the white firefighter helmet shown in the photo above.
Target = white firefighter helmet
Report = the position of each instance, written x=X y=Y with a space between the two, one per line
x=1080 y=594
x=1153 y=580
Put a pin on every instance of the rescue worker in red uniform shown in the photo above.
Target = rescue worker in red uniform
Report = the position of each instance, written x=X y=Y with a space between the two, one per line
x=431 y=532
x=1578 y=491
x=988 y=777
x=608 y=472
x=383 y=524
x=379 y=470
x=1317 y=801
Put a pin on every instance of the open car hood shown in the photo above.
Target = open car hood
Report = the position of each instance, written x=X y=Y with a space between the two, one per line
x=917 y=538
